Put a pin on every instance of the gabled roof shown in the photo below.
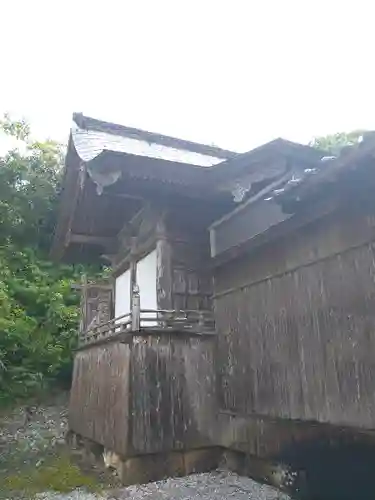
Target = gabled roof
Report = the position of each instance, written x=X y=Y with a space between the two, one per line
x=114 y=160
x=114 y=151
x=91 y=137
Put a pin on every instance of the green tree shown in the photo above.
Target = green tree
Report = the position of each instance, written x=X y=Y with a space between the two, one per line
x=333 y=143
x=29 y=178
x=38 y=309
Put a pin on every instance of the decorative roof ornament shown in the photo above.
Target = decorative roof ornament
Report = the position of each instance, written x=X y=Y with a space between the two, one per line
x=239 y=191
x=328 y=158
x=256 y=174
x=294 y=180
x=103 y=180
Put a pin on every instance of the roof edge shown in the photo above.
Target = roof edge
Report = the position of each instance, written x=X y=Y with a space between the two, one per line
x=280 y=145
x=88 y=123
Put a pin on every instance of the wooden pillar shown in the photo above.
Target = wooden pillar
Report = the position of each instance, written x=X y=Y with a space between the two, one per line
x=135 y=303
x=83 y=305
x=164 y=268
x=133 y=268
x=136 y=310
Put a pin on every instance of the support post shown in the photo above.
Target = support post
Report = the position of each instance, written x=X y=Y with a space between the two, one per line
x=83 y=308
x=201 y=321
x=136 y=310
x=133 y=269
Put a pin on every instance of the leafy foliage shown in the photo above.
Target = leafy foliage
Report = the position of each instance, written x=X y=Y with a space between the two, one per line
x=333 y=143
x=38 y=309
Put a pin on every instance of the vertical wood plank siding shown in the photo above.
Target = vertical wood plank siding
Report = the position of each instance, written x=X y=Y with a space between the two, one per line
x=173 y=396
x=99 y=401
x=296 y=323
x=158 y=394
x=191 y=276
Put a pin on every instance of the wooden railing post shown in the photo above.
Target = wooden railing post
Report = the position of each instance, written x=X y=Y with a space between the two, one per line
x=201 y=320
x=136 y=309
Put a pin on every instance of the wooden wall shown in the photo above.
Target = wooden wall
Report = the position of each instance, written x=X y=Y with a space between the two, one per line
x=184 y=280
x=296 y=324
x=188 y=248
x=99 y=398
x=157 y=394
x=173 y=393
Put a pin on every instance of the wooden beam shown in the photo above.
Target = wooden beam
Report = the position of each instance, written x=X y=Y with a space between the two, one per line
x=78 y=189
x=127 y=228
x=138 y=216
x=78 y=286
x=142 y=250
x=126 y=196
x=86 y=239
x=263 y=192
x=294 y=223
x=109 y=258
x=74 y=181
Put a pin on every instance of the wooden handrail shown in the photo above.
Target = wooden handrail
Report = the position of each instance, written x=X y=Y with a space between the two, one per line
x=196 y=311
x=189 y=320
x=127 y=315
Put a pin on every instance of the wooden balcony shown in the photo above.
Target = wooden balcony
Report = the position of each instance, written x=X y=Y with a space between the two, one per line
x=146 y=322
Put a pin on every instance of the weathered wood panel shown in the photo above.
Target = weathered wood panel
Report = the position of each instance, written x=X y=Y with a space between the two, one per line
x=99 y=402
x=269 y=438
x=252 y=220
x=173 y=391
x=191 y=275
x=318 y=240
x=299 y=344
x=96 y=304
x=184 y=280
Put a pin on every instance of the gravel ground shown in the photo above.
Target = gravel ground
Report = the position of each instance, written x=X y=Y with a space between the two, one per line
x=29 y=445
x=210 y=486
x=44 y=430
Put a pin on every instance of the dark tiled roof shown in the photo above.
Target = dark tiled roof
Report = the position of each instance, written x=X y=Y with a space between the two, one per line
x=282 y=147
x=328 y=171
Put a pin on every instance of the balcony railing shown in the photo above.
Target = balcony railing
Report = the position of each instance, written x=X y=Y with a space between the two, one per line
x=141 y=321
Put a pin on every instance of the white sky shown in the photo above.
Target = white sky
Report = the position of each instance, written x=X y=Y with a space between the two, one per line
x=234 y=73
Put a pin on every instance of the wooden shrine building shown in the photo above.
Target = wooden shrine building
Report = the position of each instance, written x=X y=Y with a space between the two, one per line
x=239 y=314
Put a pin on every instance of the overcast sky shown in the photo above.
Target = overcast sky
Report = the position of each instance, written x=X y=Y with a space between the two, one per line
x=234 y=73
